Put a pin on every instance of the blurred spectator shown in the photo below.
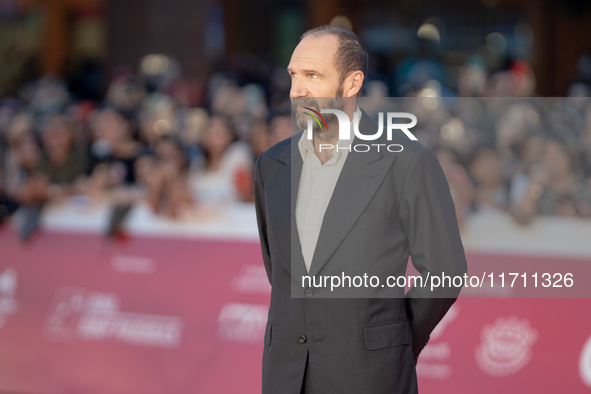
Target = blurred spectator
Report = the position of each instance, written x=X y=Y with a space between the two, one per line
x=193 y=123
x=514 y=79
x=157 y=118
x=62 y=162
x=225 y=174
x=21 y=167
x=556 y=187
x=515 y=121
x=528 y=152
x=280 y=128
x=586 y=139
x=490 y=190
x=46 y=96
x=260 y=138
x=113 y=151
x=164 y=176
x=460 y=185
x=472 y=78
x=38 y=177
x=126 y=93
x=7 y=205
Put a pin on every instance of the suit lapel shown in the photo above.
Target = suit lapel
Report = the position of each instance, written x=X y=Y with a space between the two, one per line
x=287 y=180
x=298 y=266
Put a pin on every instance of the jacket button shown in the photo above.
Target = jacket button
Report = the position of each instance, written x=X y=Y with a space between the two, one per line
x=309 y=292
x=302 y=339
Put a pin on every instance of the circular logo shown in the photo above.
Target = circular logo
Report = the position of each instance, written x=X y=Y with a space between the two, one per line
x=506 y=346
x=585 y=363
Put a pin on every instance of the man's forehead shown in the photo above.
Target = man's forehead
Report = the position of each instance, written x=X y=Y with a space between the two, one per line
x=316 y=50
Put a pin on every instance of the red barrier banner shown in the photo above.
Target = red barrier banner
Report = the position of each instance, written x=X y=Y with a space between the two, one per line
x=80 y=314
x=156 y=314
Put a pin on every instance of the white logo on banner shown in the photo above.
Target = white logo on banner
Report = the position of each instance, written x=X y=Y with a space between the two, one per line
x=84 y=315
x=433 y=362
x=133 y=264
x=506 y=346
x=252 y=279
x=242 y=322
x=585 y=363
x=7 y=291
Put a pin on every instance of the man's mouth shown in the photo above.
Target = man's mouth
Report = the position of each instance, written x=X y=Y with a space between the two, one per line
x=300 y=104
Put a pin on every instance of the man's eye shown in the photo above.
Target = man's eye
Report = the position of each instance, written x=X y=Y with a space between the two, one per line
x=313 y=76
x=293 y=75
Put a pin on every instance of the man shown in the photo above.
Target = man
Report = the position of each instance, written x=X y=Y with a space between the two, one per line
x=320 y=210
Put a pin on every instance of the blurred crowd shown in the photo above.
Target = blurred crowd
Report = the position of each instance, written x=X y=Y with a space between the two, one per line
x=521 y=156
x=145 y=143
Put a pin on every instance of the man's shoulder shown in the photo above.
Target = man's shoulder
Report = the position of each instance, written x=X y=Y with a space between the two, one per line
x=414 y=157
x=411 y=148
x=397 y=136
x=280 y=150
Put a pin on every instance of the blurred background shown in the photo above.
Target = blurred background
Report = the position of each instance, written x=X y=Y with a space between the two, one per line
x=128 y=134
x=172 y=101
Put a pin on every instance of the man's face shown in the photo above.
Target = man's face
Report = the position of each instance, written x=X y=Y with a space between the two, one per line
x=314 y=74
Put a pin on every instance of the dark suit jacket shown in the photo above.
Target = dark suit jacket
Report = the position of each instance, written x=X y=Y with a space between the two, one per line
x=385 y=207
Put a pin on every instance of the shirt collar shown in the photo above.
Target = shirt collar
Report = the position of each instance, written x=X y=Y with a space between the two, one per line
x=306 y=146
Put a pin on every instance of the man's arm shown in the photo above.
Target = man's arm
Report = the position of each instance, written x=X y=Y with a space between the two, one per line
x=259 y=203
x=428 y=218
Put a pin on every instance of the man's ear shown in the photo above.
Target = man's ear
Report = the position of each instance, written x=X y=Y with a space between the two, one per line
x=353 y=84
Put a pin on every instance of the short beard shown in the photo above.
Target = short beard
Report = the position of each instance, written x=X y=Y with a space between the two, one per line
x=337 y=102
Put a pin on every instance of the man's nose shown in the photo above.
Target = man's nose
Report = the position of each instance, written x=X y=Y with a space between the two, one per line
x=298 y=89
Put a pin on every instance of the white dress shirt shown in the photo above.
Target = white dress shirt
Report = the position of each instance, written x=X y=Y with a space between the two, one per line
x=317 y=182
